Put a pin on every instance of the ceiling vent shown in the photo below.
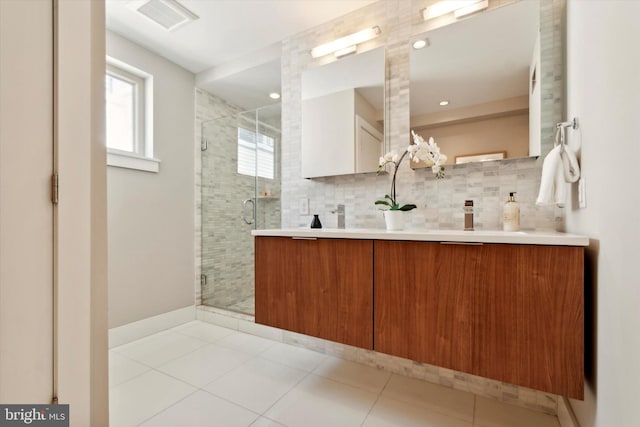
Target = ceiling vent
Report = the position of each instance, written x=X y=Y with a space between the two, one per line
x=169 y=14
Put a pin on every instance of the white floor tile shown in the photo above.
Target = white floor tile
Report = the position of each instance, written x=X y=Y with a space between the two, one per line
x=265 y=422
x=447 y=401
x=159 y=348
x=491 y=413
x=352 y=373
x=201 y=409
x=295 y=357
x=393 y=413
x=257 y=384
x=122 y=369
x=250 y=344
x=203 y=331
x=144 y=396
x=320 y=402
x=205 y=364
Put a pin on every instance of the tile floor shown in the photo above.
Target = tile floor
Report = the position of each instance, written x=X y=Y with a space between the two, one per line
x=200 y=374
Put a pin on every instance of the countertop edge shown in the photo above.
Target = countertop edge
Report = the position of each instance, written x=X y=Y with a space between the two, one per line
x=548 y=238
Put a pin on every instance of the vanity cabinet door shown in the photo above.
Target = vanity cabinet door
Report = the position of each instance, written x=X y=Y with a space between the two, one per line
x=529 y=318
x=318 y=287
x=423 y=301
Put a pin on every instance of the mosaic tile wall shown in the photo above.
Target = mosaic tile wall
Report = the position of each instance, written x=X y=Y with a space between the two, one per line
x=223 y=240
x=439 y=202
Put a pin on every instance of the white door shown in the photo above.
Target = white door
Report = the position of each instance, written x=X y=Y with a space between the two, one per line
x=26 y=211
x=369 y=142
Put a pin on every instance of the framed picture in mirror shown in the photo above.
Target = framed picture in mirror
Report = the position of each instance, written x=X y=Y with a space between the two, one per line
x=479 y=157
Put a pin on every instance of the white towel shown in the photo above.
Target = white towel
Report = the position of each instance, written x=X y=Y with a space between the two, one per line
x=552 y=186
x=569 y=164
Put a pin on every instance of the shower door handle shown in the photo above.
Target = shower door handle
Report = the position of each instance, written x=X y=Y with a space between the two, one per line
x=246 y=203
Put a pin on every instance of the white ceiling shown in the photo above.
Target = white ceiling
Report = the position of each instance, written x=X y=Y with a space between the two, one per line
x=480 y=59
x=234 y=46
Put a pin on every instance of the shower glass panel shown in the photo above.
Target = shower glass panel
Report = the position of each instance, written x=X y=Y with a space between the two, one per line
x=240 y=192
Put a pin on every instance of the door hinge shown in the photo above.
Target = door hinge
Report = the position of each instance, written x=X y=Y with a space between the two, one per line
x=203 y=279
x=204 y=144
x=54 y=400
x=55 y=189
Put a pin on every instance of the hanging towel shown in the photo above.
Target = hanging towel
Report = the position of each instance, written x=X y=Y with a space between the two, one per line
x=569 y=164
x=559 y=168
x=552 y=186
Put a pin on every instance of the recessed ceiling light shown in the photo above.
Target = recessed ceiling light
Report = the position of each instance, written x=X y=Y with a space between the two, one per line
x=444 y=103
x=419 y=44
x=274 y=95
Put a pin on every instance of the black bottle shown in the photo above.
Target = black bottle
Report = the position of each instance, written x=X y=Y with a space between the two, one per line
x=316 y=222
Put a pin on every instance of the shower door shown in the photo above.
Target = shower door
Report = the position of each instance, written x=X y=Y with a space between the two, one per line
x=240 y=192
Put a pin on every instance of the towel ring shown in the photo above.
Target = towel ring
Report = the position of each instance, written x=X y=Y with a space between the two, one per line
x=560 y=134
x=573 y=124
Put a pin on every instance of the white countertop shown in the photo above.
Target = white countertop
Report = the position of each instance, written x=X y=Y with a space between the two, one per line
x=478 y=236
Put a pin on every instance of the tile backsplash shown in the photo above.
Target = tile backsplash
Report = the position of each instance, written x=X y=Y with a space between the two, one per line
x=439 y=201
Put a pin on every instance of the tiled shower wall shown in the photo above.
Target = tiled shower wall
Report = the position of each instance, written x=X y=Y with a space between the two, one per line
x=439 y=201
x=224 y=244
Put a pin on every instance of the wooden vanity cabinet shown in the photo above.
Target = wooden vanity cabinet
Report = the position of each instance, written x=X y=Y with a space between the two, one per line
x=513 y=313
x=529 y=317
x=317 y=287
x=423 y=302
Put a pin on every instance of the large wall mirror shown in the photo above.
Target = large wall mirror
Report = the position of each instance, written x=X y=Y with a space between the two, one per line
x=475 y=86
x=343 y=115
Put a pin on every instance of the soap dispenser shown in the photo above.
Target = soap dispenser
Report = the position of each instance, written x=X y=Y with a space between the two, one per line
x=511 y=214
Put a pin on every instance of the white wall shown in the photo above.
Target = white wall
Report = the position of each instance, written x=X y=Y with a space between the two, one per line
x=151 y=216
x=603 y=88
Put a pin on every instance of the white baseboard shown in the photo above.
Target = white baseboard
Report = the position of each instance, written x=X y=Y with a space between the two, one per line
x=135 y=330
x=566 y=418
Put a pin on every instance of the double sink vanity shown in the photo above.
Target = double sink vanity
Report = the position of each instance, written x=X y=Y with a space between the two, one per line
x=502 y=305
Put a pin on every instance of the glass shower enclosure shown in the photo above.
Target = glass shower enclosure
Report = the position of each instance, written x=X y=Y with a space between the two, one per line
x=240 y=192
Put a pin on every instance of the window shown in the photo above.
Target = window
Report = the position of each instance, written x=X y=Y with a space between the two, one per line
x=125 y=110
x=128 y=118
x=250 y=144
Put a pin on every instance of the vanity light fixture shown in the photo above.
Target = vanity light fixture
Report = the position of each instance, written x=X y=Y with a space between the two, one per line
x=472 y=8
x=444 y=103
x=459 y=8
x=345 y=44
x=346 y=51
x=274 y=95
x=419 y=44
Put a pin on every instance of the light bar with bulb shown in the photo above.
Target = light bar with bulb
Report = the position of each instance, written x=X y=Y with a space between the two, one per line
x=447 y=6
x=346 y=42
x=346 y=51
x=473 y=8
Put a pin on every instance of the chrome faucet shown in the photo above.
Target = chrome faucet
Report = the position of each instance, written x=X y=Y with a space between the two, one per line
x=340 y=211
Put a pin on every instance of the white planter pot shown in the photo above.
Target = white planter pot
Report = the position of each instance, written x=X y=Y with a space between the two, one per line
x=394 y=220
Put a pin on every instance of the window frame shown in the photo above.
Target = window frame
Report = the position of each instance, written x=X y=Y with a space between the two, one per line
x=141 y=158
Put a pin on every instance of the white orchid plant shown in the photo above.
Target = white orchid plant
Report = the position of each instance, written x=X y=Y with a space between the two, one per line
x=419 y=151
